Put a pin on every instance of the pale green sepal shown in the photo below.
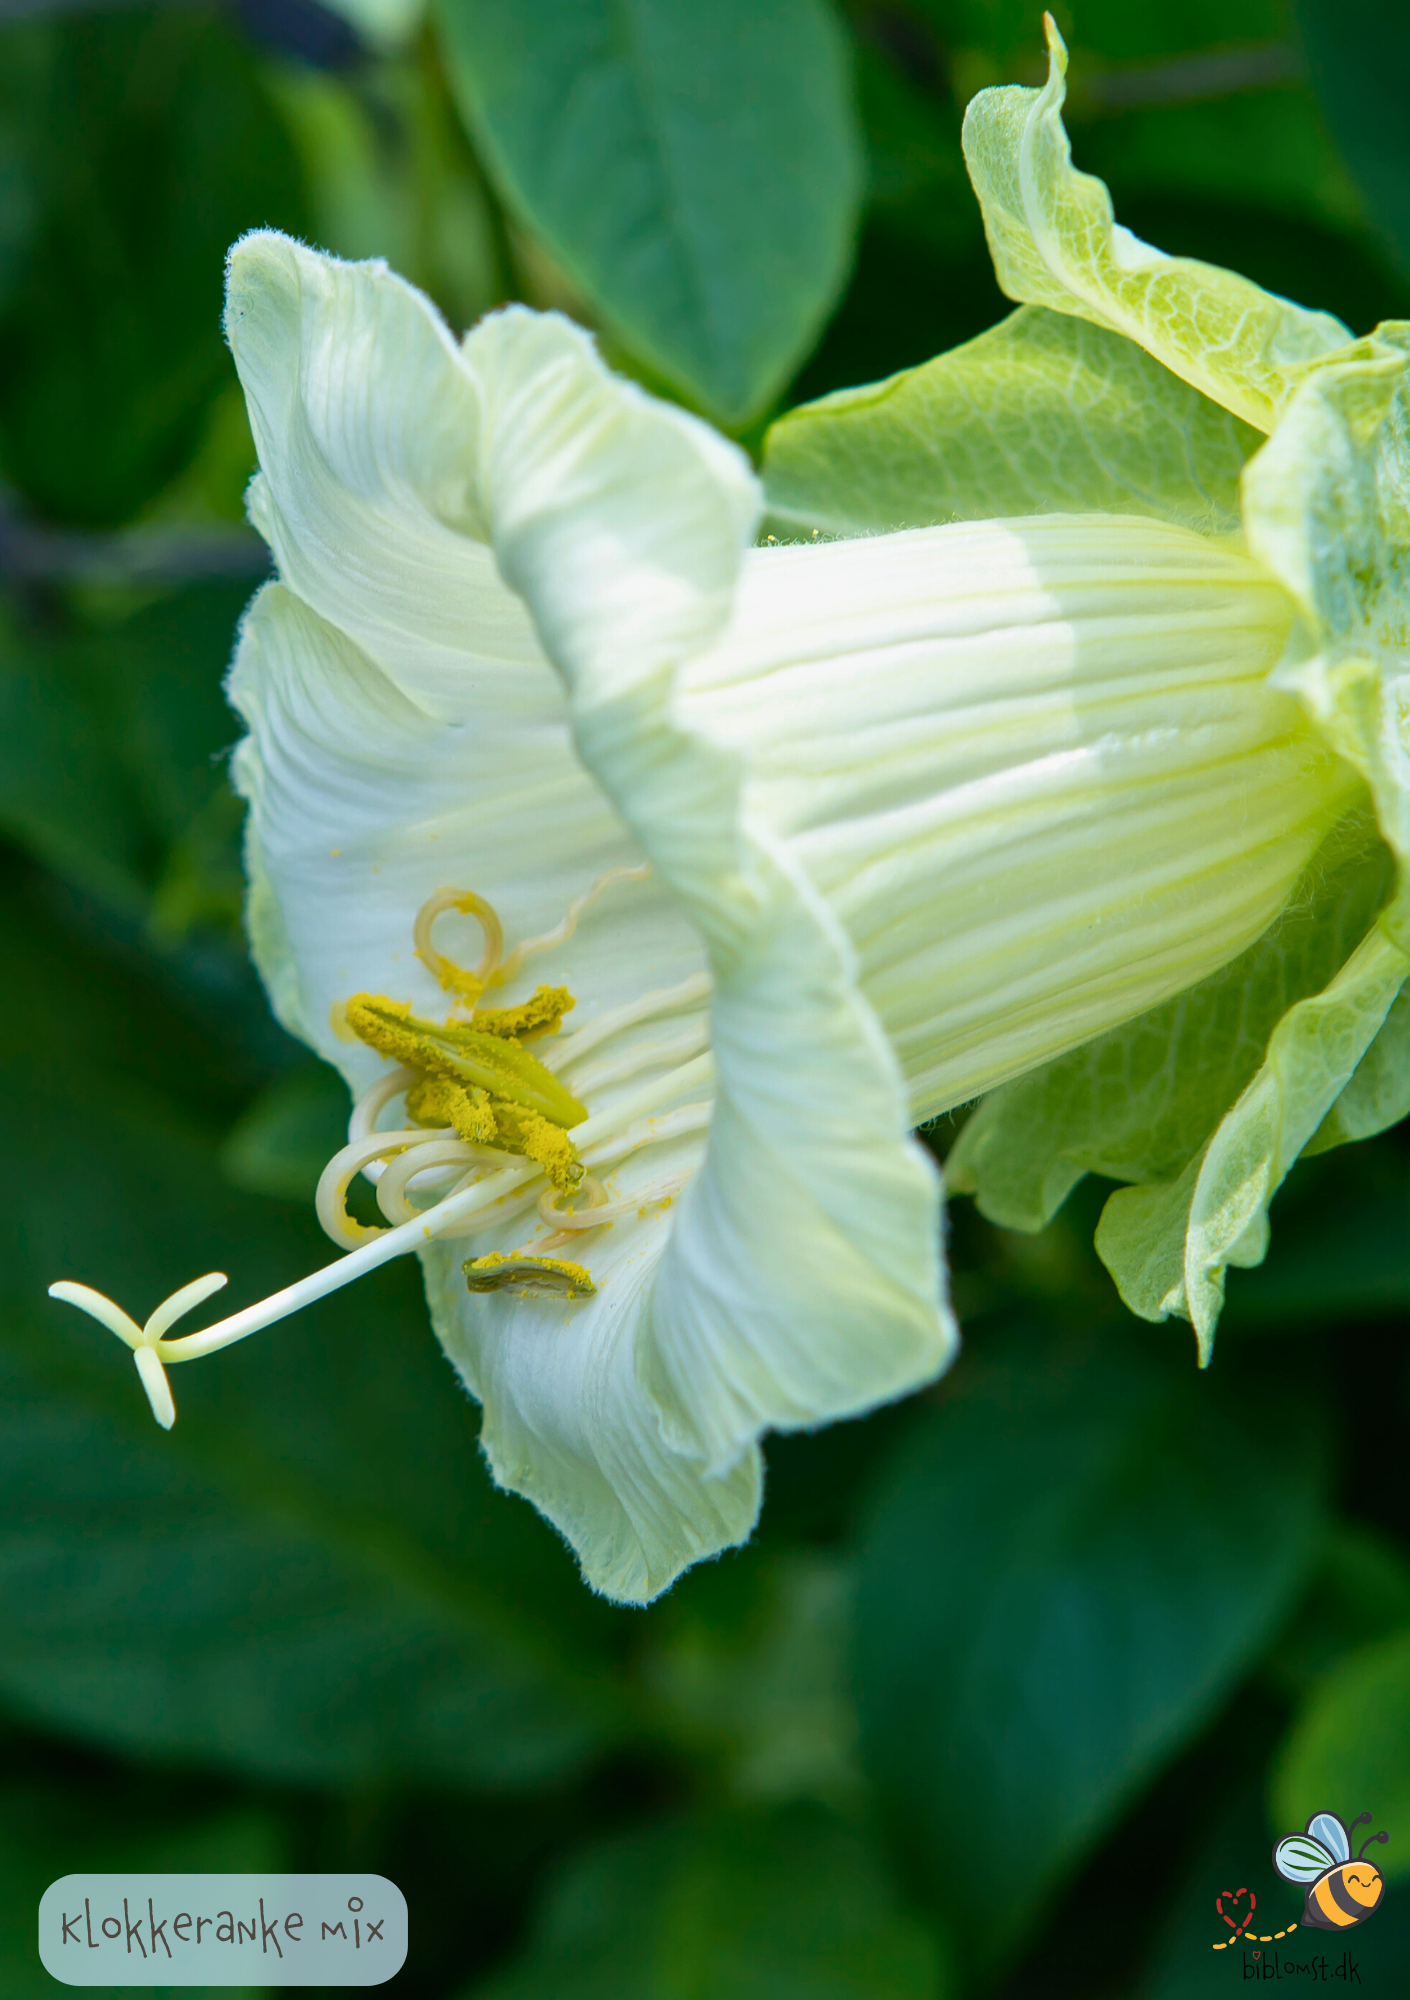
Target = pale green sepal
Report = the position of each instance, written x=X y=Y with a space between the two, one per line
x=1139 y=1103
x=1327 y=500
x=1378 y=1095
x=1312 y=1055
x=1055 y=242
x=1044 y=413
x=1327 y=509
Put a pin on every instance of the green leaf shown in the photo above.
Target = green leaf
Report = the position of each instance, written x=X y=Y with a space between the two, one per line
x=747 y=1664
x=286 y=1138
x=1359 y=1592
x=110 y=739
x=1067 y=1569
x=389 y=174
x=311 y=1576
x=1359 y=56
x=738 y=1906
x=1168 y=1247
x=1349 y=1752
x=1044 y=413
x=1206 y=1101
x=49 y=1832
x=1055 y=242
x=695 y=171
x=149 y=146
x=1342 y=1249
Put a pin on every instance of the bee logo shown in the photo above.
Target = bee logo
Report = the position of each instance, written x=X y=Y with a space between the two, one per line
x=1341 y=1891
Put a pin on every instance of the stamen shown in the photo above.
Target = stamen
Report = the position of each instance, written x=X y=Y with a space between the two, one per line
x=687 y=1041
x=606 y=1210
x=375 y=1099
x=533 y=1111
x=661 y=1000
x=682 y=1123
x=337 y=1177
x=552 y=1276
x=460 y=1051
x=452 y=977
x=561 y=933
x=368 y=1108
x=392 y=1189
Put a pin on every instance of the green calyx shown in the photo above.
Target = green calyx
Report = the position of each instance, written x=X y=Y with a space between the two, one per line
x=1132 y=382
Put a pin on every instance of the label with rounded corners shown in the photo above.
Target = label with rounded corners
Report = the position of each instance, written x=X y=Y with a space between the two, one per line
x=222 y=1930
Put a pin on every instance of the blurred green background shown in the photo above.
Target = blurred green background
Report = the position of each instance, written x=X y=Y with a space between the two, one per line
x=1016 y=1676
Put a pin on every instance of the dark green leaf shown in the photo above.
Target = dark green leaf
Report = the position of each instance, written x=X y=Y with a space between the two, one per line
x=747 y=1665
x=1068 y=1568
x=112 y=736
x=694 y=170
x=148 y=147
x=1359 y=55
x=288 y=1135
x=744 y=1906
x=46 y=1833
x=1359 y=1592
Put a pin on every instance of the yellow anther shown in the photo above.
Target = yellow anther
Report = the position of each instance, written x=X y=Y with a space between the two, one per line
x=554 y=1276
x=454 y=978
x=465 y=1054
x=547 y=1145
x=444 y=1100
x=541 y=1014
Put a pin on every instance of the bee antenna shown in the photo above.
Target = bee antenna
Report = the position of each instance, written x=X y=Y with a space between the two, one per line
x=1371 y=1840
x=1358 y=1819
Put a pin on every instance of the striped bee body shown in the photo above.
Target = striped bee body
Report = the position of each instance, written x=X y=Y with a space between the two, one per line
x=1344 y=1896
x=1342 y=1889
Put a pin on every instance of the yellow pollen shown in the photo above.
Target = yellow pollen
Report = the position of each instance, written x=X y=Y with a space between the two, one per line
x=541 y=1014
x=553 y=1276
x=547 y=1145
x=463 y=1053
x=444 y=1100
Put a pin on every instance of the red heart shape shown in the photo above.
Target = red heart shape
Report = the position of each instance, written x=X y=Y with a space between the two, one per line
x=1234 y=1896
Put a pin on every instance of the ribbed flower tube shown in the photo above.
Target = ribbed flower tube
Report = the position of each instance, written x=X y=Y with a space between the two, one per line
x=1036 y=768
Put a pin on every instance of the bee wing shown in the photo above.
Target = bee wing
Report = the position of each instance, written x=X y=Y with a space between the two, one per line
x=1300 y=1858
x=1327 y=1828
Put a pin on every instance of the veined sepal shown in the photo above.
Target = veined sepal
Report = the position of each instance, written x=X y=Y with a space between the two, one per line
x=1326 y=506
x=1056 y=242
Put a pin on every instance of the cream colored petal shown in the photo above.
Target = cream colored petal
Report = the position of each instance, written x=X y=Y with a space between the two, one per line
x=367 y=426
x=568 y=1420
x=802 y=1278
x=394 y=692
x=1035 y=768
x=360 y=805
